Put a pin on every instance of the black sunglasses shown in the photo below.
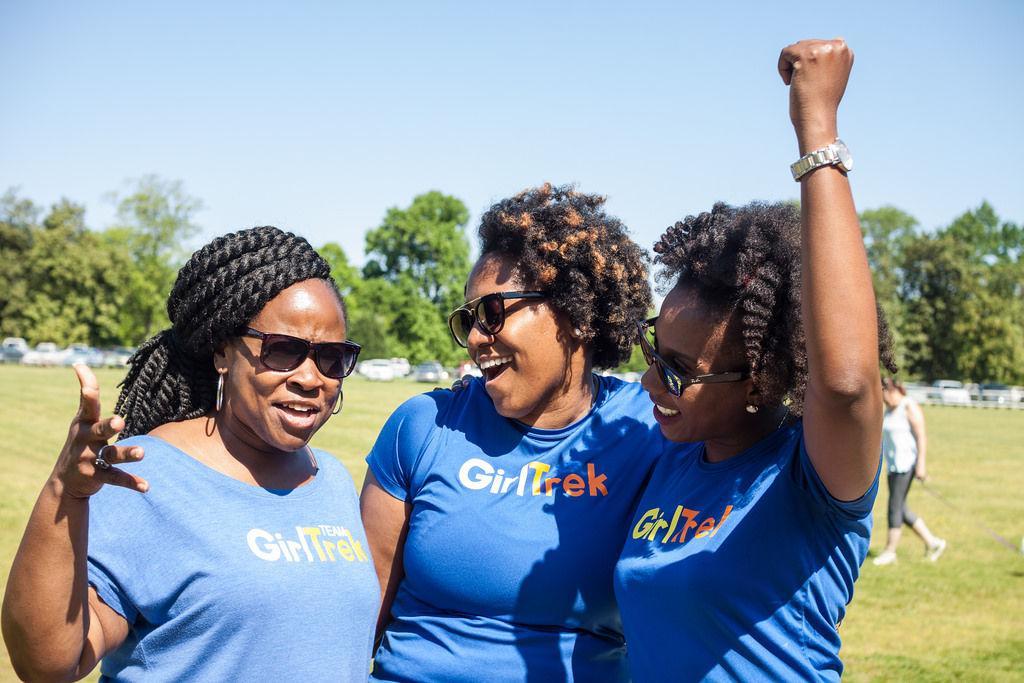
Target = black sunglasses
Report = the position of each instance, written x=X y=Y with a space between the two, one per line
x=488 y=311
x=283 y=353
x=674 y=379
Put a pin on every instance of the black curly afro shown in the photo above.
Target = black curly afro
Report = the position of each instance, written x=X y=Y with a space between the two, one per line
x=745 y=261
x=565 y=244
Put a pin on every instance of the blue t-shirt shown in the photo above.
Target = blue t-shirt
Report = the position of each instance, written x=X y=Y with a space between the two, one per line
x=513 y=537
x=223 y=581
x=742 y=569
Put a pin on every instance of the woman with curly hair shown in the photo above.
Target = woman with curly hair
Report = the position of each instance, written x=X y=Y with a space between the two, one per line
x=496 y=513
x=219 y=553
x=764 y=367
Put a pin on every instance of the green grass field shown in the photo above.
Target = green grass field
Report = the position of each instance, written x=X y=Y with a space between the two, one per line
x=961 y=618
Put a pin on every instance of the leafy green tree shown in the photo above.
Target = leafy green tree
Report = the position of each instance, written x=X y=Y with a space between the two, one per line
x=417 y=263
x=961 y=293
x=74 y=284
x=887 y=231
x=346 y=275
x=17 y=223
x=154 y=221
x=425 y=242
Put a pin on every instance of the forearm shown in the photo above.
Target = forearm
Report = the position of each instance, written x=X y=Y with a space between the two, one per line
x=46 y=610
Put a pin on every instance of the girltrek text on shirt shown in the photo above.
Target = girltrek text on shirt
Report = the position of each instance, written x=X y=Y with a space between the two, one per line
x=536 y=477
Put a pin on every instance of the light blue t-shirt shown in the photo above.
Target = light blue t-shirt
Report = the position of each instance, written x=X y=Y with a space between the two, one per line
x=742 y=569
x=223 y=581
x=513 y=537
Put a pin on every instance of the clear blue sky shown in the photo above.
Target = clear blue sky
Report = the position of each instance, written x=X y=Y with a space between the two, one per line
x=316 y=117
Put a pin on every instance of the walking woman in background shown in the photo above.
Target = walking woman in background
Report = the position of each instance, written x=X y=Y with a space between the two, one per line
x=904 y=446
x=745 y=546
x=233 y=552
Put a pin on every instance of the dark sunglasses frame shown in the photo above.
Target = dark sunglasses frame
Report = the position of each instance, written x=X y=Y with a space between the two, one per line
x=674 y=379
x=475 y=307
x=348 y=350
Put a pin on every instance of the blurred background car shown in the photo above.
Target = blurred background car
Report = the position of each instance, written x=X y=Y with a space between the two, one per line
x=996 y=392
x=401 y=366
x=950 y=392
x=117 y=357
x=431 y=371
x=377 y=369
x=13 y=349
x=81 y=353
x=468 y=367
x=44 y=353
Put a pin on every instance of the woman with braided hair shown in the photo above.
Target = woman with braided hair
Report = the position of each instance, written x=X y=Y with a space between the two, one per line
x=764 y=367
x=496 y=512
x=233 y=551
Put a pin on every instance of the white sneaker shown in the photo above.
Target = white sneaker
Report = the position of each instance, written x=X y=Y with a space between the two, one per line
x=886 y=557
x=935 y=552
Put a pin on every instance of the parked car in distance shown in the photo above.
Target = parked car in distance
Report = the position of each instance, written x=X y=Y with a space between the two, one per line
x=81 y=353
x=13 y=349
x=44 y=353
x=377 y=369
x=999 y=393
x=949 y=391
x=468 y=367
x=917 y=391
x=431 y=371
x=118 y=357
x=401 y=366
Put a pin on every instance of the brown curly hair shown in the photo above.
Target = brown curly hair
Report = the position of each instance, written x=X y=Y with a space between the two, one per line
x=746 y=261
x=566 y=245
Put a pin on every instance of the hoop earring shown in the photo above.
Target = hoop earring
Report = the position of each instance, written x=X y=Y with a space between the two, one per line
x=752 y=409
x=220 y=392
x=337 y=404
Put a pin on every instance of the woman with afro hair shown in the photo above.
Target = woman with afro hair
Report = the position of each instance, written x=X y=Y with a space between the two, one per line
x=496 y=513
x=764 y=368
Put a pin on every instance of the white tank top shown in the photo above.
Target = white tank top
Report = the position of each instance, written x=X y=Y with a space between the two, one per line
x=898 y=444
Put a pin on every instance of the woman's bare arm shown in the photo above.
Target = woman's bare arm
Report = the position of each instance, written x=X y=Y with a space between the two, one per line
x=55 y=626
x=386 y=520
x=843 y=403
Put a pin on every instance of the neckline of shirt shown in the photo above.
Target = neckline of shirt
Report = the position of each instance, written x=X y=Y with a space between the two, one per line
x=603 y=391
x=222 y=480
x=766 y=445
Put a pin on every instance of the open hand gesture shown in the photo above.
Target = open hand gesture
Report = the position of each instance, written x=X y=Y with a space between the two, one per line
x=86 y=461
x=816 y=72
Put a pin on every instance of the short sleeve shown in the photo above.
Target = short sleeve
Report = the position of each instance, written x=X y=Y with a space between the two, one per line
x=107 y=562
x=808 y=479
x=400 y=445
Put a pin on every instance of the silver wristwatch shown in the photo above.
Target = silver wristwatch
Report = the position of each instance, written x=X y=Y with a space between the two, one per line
x=835 y=154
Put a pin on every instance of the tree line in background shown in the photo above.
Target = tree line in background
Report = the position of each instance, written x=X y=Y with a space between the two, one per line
x=954 y=296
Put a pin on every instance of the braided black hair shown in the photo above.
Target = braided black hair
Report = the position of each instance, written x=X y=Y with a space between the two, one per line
x=746 y=261
x=218 y=291
x=564 y=243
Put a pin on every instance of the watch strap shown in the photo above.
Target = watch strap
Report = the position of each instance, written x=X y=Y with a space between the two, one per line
x=826 y=156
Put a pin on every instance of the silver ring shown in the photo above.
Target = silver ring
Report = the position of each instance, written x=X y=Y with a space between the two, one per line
x=101 y=463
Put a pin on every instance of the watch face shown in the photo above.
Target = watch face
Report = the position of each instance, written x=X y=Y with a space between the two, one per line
x=845 y=160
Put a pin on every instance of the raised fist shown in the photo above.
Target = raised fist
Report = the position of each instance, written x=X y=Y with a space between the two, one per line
x=816 y=72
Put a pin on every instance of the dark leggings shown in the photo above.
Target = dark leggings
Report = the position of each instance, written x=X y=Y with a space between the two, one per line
x=899 y=513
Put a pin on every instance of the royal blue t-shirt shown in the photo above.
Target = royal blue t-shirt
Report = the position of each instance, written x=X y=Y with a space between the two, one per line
x=223 y=581
x=513 y=537
x=742 y=569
